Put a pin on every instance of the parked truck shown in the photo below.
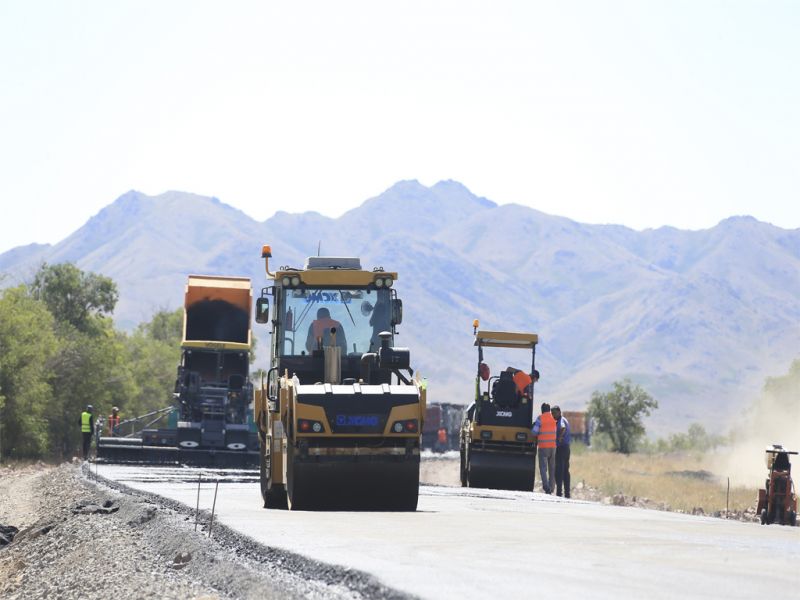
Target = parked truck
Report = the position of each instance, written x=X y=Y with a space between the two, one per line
x=580 y=426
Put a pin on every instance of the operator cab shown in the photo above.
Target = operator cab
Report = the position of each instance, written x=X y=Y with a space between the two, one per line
x=332 y=302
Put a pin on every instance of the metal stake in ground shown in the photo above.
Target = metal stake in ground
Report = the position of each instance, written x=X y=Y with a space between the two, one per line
x=197 y=508
x=213 y=506
x=727 y=498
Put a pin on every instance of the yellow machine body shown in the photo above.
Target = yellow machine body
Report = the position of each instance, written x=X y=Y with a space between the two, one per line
x=497 y=447
x=339 y=422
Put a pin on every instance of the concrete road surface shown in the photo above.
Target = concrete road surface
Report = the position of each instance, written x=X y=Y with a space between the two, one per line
x=492 y=544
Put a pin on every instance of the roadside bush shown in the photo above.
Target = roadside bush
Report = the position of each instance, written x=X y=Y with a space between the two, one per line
x=59 y=351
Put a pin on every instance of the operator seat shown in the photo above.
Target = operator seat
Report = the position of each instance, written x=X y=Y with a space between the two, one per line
x=505 y=390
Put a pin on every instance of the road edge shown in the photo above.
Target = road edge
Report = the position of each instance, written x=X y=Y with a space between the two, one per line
x=297 y=565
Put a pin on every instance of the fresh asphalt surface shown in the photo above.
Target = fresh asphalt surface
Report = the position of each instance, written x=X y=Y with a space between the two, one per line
x=473 y=543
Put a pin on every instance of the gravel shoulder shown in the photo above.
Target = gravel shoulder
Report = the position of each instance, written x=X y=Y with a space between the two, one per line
x=78 y=541
x=81 y=539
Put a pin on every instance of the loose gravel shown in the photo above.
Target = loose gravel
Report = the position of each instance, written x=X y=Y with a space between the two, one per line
x=80 y=538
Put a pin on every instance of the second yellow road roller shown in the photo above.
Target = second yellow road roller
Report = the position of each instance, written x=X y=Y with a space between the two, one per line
x=496 y=445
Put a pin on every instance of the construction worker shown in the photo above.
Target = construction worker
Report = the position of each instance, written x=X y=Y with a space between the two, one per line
x=523 y=381
x=319 y=332
x=441 y=439
x=563 y=440
x=87 y=428
x=113 y=422
x=544 y=430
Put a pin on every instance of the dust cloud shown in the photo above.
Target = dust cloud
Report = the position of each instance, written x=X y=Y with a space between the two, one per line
x=774 y=418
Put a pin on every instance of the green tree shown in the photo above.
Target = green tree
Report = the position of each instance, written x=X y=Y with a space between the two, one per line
x=619 y=413
x=165 y=326
x=75 y=297
x=153 y=354
x=90 y=369
x=27 y=343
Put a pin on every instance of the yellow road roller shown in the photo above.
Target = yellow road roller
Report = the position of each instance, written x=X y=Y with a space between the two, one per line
x=496 y=445
x=340 y=410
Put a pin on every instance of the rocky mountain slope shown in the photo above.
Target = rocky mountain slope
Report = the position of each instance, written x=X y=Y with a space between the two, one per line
x=697 y=317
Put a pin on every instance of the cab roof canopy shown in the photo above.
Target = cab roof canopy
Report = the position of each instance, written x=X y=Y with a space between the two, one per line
x=506 y=339
x=779 y=450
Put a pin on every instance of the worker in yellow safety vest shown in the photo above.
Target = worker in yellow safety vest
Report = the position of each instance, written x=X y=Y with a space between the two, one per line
x=87 y=428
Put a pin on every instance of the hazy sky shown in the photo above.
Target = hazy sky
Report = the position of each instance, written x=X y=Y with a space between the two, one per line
x=640 y=113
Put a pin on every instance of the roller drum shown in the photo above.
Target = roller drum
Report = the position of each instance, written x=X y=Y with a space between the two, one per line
x=500 y=470
x=352 y=483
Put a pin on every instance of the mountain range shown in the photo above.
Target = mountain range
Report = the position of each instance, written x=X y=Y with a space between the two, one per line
x=698 y=318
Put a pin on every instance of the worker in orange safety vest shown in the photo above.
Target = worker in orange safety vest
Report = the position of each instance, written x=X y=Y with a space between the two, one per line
x=544 y=429
x=523 y=382
x=319 y=332
x=441 y=439
x=113 y=422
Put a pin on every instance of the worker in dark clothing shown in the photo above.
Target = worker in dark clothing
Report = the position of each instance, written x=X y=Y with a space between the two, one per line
x=563 y=440
x=87 y=428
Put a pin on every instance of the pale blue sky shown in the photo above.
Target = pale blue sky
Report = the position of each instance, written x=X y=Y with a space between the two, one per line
x=640 y=113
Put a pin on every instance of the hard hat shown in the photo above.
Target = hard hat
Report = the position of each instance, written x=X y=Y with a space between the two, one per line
x=89 y=407
x=114 y=409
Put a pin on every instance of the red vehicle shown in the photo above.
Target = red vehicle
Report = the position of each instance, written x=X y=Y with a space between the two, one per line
x=777 y=501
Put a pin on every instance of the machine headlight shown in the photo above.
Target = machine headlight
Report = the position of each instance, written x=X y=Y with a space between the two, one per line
x=388 y=282
x=405 y=426
x=295 y=281
x=309 y=426
x=379 y=283
x=286 y=281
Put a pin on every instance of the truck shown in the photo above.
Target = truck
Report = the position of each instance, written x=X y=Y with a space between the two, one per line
x=580 y=426
x=210 y=421
x=340 y=411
